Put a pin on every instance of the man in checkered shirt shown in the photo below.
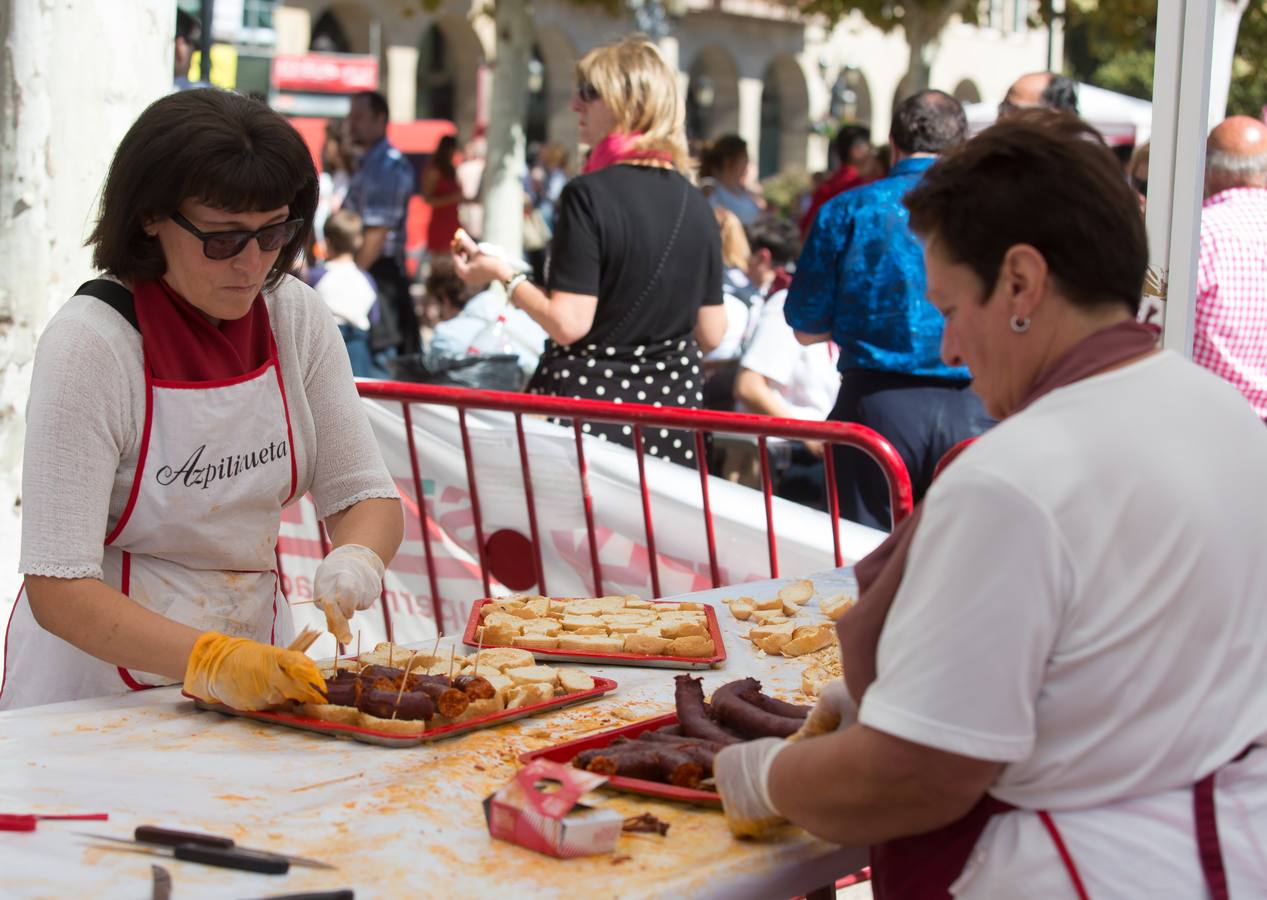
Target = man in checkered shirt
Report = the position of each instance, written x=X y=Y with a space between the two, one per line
x=1230 y=332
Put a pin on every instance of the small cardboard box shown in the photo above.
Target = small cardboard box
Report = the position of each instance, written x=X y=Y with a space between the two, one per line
x=538 y=809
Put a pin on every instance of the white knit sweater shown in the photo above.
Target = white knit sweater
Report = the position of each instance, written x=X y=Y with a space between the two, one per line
x=87 y=409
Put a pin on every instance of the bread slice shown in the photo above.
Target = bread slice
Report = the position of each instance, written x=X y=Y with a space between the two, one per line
x=501 y=684
x=533 y=641
x=836 y=606
x=533 y=675
x=541 y=626
x=401 y=727
x=528 y=695
x=328 y=712
x=480 y=708
x=761 y=603
x=496 y=637
x=768 y=616
x=573 y=681
x=809 y=638
x=690 y=646
x=646 y=644
x=683 y=629
x=625 y=627
x=742 y=608
x=797 y=592
x=592 y=643
x=635 y=603
x=771 y=638
x=573 y=623
x=501 y=658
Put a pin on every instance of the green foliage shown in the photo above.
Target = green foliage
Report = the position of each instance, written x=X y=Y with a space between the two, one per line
x=1248 y=93
x=883 y=14
x=782 y=191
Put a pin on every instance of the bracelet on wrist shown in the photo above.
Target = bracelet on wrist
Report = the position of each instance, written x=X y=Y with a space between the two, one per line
x=513 y=282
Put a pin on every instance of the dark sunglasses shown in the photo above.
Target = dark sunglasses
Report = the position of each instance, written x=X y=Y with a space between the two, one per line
x=227 y=244
x=587 y=92
x=1140 y=185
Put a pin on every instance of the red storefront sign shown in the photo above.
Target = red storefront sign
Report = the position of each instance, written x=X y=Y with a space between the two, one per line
x=327 y=73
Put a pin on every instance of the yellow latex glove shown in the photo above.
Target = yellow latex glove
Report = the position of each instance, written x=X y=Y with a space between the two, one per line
x=246 y=674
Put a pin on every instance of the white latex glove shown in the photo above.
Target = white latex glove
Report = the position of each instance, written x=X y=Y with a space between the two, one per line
x=350 y=578
x=834 y=710
x=742 y=774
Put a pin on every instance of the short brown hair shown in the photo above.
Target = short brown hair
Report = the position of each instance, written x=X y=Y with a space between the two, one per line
x=214 y=146
x=342 y=232
x=1045 y=179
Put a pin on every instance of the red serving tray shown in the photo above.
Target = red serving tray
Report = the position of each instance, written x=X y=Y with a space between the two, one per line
x=615 y=659
x=564 y=753
x=387 y=739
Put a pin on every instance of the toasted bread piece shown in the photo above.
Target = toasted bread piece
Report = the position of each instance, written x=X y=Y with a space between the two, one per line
x=690 y=646
x=766 y=603
x=629 y=615
x=742 y=608
x=790 y=609
x=328 y=712
x=808 y=638
x=692 y=606
x=388 y=654
x=535 y=641
x=771 y=638
x=667 y=607
x=401 y=727
x=683 y=629
x=541 y=626
x=592 y=643
x=572 y=623
x=501 y=658
x=501 y=684
x=533 y=675
x=814 y=679
x=626 y=627
x=635 y=603
x=610 y=604
x=768 y=616
x=797 y=592
x=503 y=620
x=496 y=637
x=479 y=708
x=528 y=694
x=836 y=606
x=647 y=644
x=572 y=681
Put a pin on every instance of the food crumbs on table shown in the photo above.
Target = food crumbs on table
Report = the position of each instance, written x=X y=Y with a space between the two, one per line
x=645 y=822
x=233 y=798
x=620 y=858
x=478 y=768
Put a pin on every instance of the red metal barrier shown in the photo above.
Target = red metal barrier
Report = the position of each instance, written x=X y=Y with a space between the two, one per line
x=640 y=417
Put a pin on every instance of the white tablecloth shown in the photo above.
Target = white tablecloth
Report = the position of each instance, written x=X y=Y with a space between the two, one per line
x=407 y=822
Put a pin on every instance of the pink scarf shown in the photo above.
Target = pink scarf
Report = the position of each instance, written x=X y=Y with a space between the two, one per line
x=880 y=573
x=617 y=148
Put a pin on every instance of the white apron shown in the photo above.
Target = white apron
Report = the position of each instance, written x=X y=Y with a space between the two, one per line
x=197 y=539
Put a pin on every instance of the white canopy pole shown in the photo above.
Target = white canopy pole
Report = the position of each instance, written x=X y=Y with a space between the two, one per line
x=1176 y=168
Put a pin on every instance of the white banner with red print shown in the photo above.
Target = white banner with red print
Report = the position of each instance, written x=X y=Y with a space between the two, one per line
x=804 y=541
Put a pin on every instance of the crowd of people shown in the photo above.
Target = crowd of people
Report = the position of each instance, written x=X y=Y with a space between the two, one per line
x=817 y=311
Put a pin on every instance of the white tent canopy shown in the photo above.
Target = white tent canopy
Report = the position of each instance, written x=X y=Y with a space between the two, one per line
x=1122 y=119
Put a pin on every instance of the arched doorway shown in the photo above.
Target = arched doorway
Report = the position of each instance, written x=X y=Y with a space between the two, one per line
x=558 y=55
x=784 y=118
x=342 y=28
x=449 y=61
x=851 y=98
x=537 y=118
x=712 y=96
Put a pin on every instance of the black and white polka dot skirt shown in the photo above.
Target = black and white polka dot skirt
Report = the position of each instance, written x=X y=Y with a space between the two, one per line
x=664 y=373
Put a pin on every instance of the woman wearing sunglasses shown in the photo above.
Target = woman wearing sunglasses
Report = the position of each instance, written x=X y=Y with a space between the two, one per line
x=177 y=405
x=634 y=286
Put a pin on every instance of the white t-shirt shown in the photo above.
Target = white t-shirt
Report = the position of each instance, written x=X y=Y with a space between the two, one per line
x=87 y=406
x=1086 y=600
x=805 y=376
x=348 y=292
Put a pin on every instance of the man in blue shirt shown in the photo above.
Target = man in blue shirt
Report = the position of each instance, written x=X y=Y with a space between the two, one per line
x=860 y=281
x=380 y=192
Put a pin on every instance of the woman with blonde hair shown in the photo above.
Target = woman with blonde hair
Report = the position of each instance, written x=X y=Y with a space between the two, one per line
x=634 y=285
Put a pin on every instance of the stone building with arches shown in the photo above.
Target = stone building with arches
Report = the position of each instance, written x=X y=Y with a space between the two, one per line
x=746 y=66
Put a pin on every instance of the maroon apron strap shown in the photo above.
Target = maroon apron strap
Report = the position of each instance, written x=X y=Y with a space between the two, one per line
x=1207 y=826
x=1065 y=856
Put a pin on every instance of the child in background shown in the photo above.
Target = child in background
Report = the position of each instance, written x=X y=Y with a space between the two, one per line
x=349 y=292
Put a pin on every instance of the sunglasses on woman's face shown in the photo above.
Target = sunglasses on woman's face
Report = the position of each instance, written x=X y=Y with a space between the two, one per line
x=227 y=244
x=586 y=92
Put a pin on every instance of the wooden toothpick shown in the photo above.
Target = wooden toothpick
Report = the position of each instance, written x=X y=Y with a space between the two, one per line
x=479 y=651
x=404 y=679
x=434 y=647
x=390 y=647
x=358 y=652
x=452 y=650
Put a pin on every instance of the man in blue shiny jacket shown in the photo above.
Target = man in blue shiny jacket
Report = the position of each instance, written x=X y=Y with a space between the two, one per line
x=860 y=281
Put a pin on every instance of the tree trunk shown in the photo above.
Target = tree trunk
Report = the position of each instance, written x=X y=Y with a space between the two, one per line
x=1227 y=22
x=923 y=28
x=503 y=179
x=59 y=124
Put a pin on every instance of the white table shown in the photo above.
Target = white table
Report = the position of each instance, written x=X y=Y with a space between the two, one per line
x=408 y=822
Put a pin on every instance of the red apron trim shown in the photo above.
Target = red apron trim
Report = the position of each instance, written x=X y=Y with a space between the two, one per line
x=1065 y=856
x=135 y=490
x=4 y=674
x=215 y=383
x=132 y=682
x=290 y=435
x=1208 y=848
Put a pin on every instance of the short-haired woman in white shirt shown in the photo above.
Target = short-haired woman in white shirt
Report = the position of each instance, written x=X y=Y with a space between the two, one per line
x=1055 y=674
x=177 y=405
